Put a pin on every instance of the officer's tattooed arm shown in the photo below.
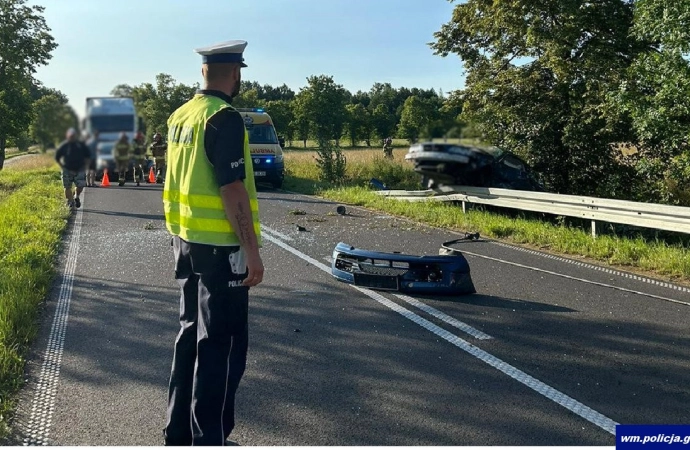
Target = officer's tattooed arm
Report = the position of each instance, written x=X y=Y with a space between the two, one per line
x=238 y=211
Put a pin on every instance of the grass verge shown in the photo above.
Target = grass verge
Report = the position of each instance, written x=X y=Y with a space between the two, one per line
x=32 y=220
x=666 y=258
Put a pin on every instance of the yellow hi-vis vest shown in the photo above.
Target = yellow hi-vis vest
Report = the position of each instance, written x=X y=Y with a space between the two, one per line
x=191 y=196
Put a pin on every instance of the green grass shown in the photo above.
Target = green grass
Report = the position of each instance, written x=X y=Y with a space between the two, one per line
x=376 y=145
x=362 y=166
x=671 y=260
x=14 y=152
x=32 y=220
x=345 y=143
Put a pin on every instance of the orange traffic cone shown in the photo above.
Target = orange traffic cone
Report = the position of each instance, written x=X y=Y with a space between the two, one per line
x=152 y=176
x=105 y=182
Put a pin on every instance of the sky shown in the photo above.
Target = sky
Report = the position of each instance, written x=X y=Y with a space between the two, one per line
x=359 y=42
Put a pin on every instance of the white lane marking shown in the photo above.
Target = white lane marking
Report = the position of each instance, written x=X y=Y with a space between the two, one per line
x=601 y=269
x=292 y=250
x=462 y=326
x=583 y=280
x=280 y=235
x=547 y=391
x=438 y=314
x=43 y=404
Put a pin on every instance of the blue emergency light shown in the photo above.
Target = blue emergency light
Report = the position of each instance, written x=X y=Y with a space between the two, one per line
x=259 y=110
x=268 y=161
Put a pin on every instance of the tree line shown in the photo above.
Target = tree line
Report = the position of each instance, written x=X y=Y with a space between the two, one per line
x=322 y=110
x=594 y=95
x=29 y=111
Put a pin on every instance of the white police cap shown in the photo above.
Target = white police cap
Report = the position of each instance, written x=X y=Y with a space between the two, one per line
x=223 y=52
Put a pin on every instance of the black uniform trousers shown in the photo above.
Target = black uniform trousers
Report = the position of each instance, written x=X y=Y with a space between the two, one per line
x=211 y=348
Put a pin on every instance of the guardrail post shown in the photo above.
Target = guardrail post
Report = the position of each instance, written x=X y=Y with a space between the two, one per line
x=464 y=211
x=594 y=229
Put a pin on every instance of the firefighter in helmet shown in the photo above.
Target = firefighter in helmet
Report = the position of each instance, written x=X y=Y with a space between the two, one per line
x=158 y=150
x=140 y=160
x=123 y=154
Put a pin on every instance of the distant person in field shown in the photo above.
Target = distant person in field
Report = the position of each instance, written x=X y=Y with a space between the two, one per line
x=92 y=144
x=73 y=157
x=123 y=153
x=388 y=147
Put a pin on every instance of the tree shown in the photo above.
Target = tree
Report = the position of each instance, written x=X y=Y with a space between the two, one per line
x=385 y=95
x=417 y=115
x=654 y=95
x=358 y=125
x=15 y=110
x=122 y=90
x=323 y=102
x=538 y=73
x=156 y=103
x=280 y=93
x=25 y=44
x=52 y=117
x=248 y=99
x=383 y=122
x=300 y=122
x=282 y=116
x=362 y=98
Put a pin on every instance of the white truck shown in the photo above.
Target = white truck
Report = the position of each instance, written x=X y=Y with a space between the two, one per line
x=110 y=116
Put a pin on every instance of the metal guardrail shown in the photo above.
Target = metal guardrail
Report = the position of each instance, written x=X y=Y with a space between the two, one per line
x=647 y=215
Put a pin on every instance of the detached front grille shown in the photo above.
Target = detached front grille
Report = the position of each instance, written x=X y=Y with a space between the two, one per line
x=381 y=270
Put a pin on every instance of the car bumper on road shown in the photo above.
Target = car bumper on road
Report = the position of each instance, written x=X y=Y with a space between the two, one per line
x=443 y=274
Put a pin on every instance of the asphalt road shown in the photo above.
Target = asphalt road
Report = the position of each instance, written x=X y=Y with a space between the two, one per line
x=548 y=352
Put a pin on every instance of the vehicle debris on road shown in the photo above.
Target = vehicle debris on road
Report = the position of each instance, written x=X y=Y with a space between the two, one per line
x=439 y=274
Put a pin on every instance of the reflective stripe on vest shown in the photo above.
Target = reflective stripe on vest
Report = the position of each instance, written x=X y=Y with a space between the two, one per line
x=122 y=151
x=191 y=196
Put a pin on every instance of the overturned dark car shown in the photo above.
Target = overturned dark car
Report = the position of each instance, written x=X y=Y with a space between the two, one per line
x=444 y=163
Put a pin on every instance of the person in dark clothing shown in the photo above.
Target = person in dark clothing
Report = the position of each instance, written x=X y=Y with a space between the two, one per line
x=73 y=157
x=210 y=174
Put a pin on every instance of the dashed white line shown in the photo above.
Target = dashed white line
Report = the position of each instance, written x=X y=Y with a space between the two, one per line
x=43 y=404
x=547 y=391
x=280 y=235
x=462 y=326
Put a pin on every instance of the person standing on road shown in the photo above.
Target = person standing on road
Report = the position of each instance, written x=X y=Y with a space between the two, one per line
x=123 y=154
x=158 y=150
x=92 y=144
x=73 y=158
x=139 y=150
x=212 y=211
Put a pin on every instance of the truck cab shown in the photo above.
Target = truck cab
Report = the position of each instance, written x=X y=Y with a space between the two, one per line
x=110 y=116
x=265 y=147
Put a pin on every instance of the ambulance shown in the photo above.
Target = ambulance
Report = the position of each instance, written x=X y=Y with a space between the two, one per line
x=265 y=146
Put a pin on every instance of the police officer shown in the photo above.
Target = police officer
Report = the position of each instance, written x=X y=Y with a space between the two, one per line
x=210 y=175
x=123 y=153
x=140 y=161
x=158 y=150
